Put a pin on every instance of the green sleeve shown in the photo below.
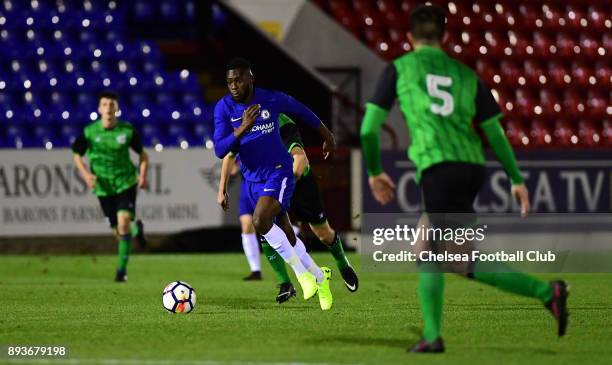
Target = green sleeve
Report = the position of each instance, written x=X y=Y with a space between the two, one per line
x=500 y=144
x=373 y=120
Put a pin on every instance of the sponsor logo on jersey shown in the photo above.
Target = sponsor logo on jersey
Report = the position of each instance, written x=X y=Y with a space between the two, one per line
x=235 y=119
x=264 y=128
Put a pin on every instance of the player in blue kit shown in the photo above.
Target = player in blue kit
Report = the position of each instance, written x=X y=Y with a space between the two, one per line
x=246 y=123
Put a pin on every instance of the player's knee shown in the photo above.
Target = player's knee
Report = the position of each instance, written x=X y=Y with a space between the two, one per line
x=262 y=224
x=123 y=223
x=246 y=224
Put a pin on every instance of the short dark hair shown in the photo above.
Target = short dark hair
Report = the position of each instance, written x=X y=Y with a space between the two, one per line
x=238 y=64
x=428 y=22
x=108 y=94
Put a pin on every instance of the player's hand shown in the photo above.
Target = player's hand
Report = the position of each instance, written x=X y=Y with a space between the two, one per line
x=382 y=187
x=520 y=192
x=249 y=116
x=90 y=180
x=329 y=146
x=223 y=199
x=143 y=183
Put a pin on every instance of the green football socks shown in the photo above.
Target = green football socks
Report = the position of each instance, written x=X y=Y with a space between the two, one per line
x=431 y=299
x=125 y=247
x=507 y=279
x=337 y=252
x=134 y=229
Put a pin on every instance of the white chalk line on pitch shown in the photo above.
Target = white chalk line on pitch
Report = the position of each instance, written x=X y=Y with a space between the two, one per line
x=149 y=362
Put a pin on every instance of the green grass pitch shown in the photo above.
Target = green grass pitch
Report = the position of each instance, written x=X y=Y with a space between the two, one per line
x=72 y=300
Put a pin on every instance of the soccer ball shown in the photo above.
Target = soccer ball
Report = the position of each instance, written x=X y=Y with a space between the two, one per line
x=179 y=297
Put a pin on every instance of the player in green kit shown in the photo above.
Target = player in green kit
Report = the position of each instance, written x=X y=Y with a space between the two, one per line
x=440 y=98
x=111 y=175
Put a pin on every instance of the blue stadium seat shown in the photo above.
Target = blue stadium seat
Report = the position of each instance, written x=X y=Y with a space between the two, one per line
x=183 y=81
x=178 y=134
x=151 y=135
x=143 y=11
x=57 y=55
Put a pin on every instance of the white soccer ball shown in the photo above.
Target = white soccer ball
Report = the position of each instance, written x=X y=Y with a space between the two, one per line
x=179 y=297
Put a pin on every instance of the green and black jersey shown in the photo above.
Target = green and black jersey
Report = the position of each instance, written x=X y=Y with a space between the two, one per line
x=109 y=158
x=440 y=99
x=290 y=133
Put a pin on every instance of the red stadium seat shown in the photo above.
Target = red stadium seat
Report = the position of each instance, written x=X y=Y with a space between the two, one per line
x=397 y=35
x=580 y=74
x=567 y=46
x=396 y=20
x=525 y=102
x=606 y=133
x=534 y=73
x=588 y=134
x=603 y=74
x=564 y=134
x=596 y=104
x=387 y=6
x=402 y=47
x=550 y=103
x=364 y=6
x=530 y=15
x=506 y=102
x=496 y=43
x=490 y=18
x=406 y=6
x=509 y=17
x=338 y=6
x=373 y=37
x=510 y=73
x=575 y=17
x=543 y=45
x=372 y=19
x=520 y=44
x=385 y=49
x=540 y=134
x=553 y=17
x=588 y=46
x=558 y=74
x=596 y=18
x=573 y=105
x=606 y=42
x=516 y=133
x=487 y=72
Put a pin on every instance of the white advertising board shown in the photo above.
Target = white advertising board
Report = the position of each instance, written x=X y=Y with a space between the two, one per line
x=42 y=193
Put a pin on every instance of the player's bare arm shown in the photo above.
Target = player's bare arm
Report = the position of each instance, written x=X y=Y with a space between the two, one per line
x=300 y=161
x=222 y=195
x=382 y=187
x=329 y=141
x=90 y=179
x=143 y=168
